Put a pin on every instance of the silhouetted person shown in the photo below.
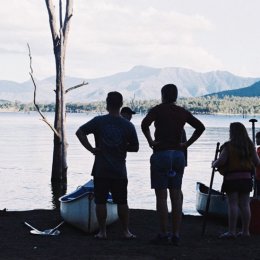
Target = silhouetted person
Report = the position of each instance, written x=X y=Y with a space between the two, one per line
x=127 y=113
x=236 y=162
x=114 y=137
x=168 y=159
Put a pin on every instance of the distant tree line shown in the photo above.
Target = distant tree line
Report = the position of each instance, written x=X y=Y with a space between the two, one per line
x=197 y=105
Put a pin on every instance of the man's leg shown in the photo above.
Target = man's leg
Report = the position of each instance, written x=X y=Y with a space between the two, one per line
x=119 y=194
x=123 y=214
x=101 y=191
x=162 y=210
x=101 y=212
x=176 y=203
x=178 y=163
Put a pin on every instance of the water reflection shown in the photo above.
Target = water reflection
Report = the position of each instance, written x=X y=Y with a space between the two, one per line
x=58 y=189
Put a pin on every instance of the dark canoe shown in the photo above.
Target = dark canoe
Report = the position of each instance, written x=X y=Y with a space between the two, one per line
x=218 y=202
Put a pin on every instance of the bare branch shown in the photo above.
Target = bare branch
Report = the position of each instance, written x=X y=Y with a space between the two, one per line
x=30 y=58
x=67 y=19
x=34 y=95
x=52 y=20
x=77 y=86
x=60 y=14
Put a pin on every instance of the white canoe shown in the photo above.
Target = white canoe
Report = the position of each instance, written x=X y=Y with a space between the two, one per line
x=78 y=208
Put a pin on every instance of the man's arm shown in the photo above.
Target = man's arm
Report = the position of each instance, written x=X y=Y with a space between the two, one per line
x=199 y=129
x=147 y=134
x=85 y=142
x=145 y=125
x=133 y=145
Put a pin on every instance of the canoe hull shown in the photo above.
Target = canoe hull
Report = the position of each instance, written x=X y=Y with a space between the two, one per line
x=218 y=206
x=78 y=209
x=218 y=202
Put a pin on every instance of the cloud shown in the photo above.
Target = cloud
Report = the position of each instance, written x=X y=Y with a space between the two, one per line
x=120 y=37
x=111 y=36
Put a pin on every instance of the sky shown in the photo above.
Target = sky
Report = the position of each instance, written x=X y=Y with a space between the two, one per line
x=111 y=36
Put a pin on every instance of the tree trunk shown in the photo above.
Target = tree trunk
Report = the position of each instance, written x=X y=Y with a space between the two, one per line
x=59 y=37
x=59 y=163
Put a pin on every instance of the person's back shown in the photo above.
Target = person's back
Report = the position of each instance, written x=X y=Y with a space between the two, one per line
x=169 y=120
x=168 y=159
x=237 y=160
x=114 y=136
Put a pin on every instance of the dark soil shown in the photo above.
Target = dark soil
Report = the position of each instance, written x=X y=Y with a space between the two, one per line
x=18 y=243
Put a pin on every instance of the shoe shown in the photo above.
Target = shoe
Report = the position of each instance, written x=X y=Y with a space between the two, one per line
x=161 y=240
x=227 y=235
x=175 y=240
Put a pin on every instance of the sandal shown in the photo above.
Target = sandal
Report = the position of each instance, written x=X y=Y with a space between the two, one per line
x=227 y=235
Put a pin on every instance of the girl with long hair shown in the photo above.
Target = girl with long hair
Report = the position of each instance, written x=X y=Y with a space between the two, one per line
x=236 y=162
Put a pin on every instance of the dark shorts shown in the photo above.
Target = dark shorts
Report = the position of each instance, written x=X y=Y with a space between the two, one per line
x=117 y=187
x=162 y=162
x=241 y=185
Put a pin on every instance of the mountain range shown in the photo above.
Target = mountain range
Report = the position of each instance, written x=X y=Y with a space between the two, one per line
x=251 y=91
x=141 y=82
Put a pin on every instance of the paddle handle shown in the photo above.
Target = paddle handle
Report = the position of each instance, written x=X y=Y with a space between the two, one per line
x=58 y=226
x=209 y=192
x=253 y=121
x=27 y=224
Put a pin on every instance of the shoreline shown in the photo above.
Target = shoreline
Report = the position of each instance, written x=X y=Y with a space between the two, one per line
x=72 y=243
x=104 y=112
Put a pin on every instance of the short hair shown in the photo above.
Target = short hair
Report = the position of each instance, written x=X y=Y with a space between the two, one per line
x=257 y=135
x=169 y=93
x=114 y=100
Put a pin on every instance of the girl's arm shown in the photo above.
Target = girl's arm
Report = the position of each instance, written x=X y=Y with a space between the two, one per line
x=222 y=158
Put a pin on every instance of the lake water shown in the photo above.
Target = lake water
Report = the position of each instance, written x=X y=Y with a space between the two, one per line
x=26 y=159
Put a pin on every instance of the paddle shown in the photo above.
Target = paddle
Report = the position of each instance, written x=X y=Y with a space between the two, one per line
x=209 y=192
x=253 y=121
x=51 y=232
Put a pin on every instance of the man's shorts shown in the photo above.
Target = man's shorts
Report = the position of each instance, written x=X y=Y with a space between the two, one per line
x=117 y=187
x=161 y=163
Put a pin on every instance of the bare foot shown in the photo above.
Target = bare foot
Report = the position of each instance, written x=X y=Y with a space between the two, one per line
x=100 y=236
x=129 y=235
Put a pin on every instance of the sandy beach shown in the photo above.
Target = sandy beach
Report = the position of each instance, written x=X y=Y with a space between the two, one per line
x=18 y=243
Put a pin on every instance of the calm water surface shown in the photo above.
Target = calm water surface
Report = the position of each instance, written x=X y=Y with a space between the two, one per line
x=26 y=158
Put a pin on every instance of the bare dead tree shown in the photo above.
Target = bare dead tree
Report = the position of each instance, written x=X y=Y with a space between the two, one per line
x=132 y=103
x=44 y=119
x=59 y=39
